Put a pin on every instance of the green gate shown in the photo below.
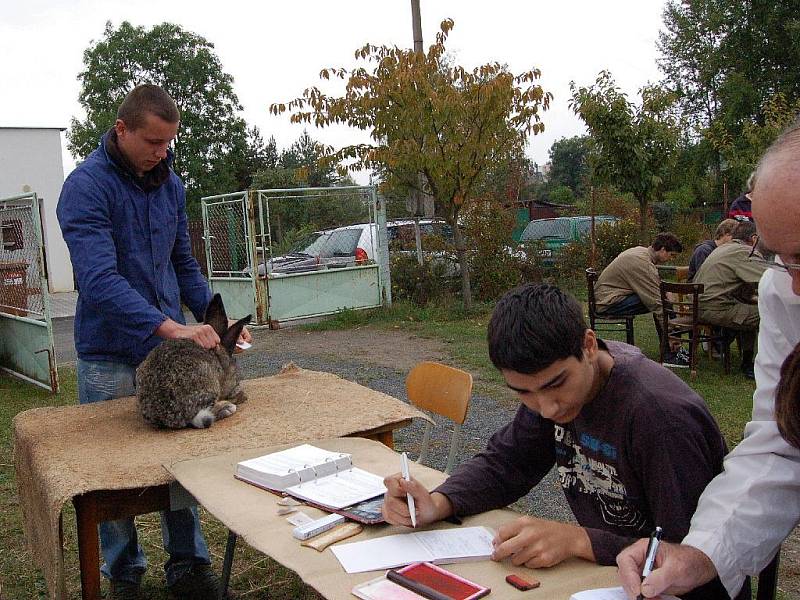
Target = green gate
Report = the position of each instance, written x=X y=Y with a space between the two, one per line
x=251 y=264
x=26 y=331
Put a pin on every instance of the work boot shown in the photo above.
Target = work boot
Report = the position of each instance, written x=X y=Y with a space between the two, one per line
x=198 y=583
x=122 y=589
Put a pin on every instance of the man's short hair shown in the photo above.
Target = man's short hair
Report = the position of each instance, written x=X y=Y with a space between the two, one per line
x=533 y=326
x=147 y=99
x=667 y=241
x=744 y=231
x=726 y=227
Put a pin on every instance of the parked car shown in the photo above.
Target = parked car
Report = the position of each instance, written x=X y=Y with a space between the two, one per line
x=349 y=246
x=557 y=232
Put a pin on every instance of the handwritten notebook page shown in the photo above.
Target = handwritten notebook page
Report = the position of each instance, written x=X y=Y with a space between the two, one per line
x=438 y=546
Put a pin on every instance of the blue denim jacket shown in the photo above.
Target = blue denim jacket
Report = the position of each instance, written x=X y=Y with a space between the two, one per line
x=132 y=259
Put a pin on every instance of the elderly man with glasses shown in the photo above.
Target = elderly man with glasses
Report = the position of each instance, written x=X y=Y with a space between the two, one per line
x=731 y=277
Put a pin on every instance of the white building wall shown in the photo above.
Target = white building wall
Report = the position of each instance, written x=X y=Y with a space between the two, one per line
x=31 y=161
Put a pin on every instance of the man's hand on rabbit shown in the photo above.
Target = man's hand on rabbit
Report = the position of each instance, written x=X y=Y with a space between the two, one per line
x=244 y=337
x=202 y=335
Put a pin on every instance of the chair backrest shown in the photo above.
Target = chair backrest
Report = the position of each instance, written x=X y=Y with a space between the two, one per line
x=442 y=390
x=680 y=299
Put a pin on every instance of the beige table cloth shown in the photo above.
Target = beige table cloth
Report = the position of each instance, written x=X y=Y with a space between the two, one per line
x=60 y=452
x=252 y=513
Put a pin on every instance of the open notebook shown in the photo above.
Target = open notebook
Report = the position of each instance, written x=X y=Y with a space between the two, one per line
x=325 y=479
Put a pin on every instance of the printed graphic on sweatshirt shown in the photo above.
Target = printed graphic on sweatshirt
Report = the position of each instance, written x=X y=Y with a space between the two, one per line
x=584 y=475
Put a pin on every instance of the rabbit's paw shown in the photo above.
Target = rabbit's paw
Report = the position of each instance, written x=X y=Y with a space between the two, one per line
x=223 y=409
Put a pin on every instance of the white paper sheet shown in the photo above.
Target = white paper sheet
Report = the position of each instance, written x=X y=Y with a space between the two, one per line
x=616 y=593
x=438 y=546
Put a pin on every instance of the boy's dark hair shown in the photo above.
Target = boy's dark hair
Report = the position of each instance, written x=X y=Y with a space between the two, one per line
x=147 y=99
x=744 y=231
x=667 y=241
x=533 y=326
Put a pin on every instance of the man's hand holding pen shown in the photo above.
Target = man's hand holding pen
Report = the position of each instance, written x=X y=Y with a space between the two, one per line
x=429 y=507
x=678 y=569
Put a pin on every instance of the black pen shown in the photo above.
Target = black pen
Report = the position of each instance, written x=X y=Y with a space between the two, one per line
x=650 y=556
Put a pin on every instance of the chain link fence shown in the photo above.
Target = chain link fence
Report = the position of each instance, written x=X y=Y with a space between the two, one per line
x=20 y=270
x=226 y=228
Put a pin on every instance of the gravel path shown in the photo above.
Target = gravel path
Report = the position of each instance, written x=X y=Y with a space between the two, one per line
x=485 y=416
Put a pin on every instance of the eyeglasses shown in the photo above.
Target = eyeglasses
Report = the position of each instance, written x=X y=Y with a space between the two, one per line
x=770 y=262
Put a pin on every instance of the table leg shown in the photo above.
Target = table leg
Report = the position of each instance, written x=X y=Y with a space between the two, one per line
x=88 y=546
x=386 y=438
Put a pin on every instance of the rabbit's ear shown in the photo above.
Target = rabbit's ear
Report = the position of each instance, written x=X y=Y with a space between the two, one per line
x=215 y=315
x=228 y=339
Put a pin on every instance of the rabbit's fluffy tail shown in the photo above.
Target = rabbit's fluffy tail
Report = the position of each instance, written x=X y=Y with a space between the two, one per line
x=203 y=419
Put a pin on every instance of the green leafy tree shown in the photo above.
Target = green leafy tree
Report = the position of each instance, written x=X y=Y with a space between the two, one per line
x=734 y=63
x=635 y=147
x=428 y=116
x=569 y=164
x=213 y=150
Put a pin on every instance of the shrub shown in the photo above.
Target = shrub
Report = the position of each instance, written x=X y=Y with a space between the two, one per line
x=611 y=239
x=496 y=264
x=417 y=283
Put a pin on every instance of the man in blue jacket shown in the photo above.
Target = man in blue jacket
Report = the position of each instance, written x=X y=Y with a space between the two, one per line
x=122 y=214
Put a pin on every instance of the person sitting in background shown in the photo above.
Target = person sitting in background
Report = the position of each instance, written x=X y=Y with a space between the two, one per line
x=634 y=445
x=741 y=208
x=722 y=235
x=629 y=285
x=730 y=279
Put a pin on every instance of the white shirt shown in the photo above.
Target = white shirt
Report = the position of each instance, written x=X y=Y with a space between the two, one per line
x=747 y=510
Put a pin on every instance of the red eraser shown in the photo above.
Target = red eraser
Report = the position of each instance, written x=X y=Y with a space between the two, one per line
x=519 y=583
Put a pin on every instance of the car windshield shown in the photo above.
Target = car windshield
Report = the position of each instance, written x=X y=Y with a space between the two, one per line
x=327 y=244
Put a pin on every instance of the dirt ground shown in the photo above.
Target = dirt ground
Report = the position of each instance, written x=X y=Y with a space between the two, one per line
x=385 y=348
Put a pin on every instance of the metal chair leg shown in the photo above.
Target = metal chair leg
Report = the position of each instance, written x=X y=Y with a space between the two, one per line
x=227 y=563
x=629 y=331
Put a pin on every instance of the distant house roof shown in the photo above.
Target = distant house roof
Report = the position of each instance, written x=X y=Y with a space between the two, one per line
x=550 y=204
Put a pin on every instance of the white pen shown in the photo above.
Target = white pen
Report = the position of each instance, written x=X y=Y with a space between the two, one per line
x=407 y=476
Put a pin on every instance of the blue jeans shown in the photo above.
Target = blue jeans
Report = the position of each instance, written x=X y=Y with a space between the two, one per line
x=629 y=305
x=180 y=529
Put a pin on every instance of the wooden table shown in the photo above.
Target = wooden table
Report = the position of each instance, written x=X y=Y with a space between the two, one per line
x=251 y=513
x=97 y=506
x=108 y=461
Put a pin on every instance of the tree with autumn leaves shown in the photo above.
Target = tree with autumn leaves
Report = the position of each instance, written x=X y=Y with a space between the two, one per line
x=427 y=116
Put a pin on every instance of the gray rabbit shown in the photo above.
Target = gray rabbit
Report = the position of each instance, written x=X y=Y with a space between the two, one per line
x=180 y=383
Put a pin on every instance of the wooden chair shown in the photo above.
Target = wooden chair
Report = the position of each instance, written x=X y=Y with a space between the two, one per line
x=442 y=390
x=606 y=322
x=681 y=323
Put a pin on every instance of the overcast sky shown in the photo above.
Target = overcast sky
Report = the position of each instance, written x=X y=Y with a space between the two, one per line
x=274 y=50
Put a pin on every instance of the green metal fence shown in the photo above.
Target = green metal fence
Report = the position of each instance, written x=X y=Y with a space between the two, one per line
x=289 y=254
x=26 y=333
